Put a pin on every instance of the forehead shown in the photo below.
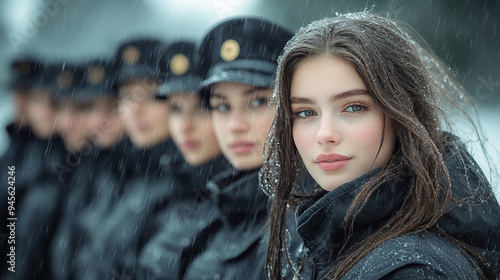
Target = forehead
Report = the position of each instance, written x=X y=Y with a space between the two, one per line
x=69 y=104
x=138 y=82
x=324 y=75
x=184 y=97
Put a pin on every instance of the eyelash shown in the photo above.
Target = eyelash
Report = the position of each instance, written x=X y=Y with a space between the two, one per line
x=262 y=101
x=297 y=114
x=363 y=107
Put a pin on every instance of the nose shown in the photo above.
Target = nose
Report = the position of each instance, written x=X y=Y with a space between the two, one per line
x=327 y=132
x=64 y=120
x=239 y=121
x=135 y=106
x=186 y=123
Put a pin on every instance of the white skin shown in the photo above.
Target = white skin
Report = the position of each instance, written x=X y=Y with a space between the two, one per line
x=191 y=129
x=103 y=122
x=145 y=118
x=40 y=113
x=241 y=119
x=335 y=118
x=71 y=117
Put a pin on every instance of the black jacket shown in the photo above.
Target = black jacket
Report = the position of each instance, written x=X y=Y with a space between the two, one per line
x=124 y=197
x=38 y=188
x=234 y=243
x=427 y=255
x=92 y=181
x=167 y=254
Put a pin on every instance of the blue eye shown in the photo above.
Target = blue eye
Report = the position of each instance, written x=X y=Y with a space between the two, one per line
x=306 y=113
x=258 y=102
x=221 y=107
x=355 y=108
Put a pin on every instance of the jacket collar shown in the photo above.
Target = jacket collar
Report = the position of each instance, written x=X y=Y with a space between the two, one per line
x=16 y=131
x=320 y=220
x=199 y=176
x=238 y=197
x=147 y=160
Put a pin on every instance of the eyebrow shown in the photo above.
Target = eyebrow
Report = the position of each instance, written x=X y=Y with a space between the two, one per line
x=346 y=94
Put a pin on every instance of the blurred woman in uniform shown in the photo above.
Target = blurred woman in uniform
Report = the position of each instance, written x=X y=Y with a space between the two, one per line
x=239 y=57
x=169 y=251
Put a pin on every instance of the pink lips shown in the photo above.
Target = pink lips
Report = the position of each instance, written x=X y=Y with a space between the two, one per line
x=190 y=145
x=241 y=147
x=141 y=127
x=331 y=162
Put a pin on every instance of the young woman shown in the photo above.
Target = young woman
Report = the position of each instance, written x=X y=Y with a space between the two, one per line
x=33 y=150
x=94 y=166
x=238 y=62
x=358 y=106
x=169 y=249
x=103 y=122
x=70 y=110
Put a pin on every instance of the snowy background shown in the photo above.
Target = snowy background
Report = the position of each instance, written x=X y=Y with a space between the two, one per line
x=463 y=33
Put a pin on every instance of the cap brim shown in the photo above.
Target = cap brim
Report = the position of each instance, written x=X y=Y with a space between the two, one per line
x=179 y=84
x=239 y=76
x=242 y=77
x=127 y=73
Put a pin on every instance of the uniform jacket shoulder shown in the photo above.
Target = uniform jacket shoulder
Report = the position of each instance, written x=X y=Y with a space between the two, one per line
x=425 y=255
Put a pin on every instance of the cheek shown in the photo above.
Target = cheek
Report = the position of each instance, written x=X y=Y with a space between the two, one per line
x=219 y=127
x=157 y=115
x=368 y=136
x=204 y=130
x=208 y=138
x=45 y=111
x=262 y=125
x=173 y=125
x=124 y=113
x=302 y=139
x=177 y=133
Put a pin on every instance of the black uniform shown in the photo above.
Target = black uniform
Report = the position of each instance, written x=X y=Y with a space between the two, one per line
x=236 y=246
x=92 y=187
x=241 y=50
x=37 y=188
x=26 y=74
x=426 y=255
x=91 y=174
x=182 y=227
x=110 y=228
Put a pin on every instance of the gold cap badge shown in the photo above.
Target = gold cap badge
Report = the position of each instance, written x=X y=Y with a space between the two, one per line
x=65 y=79
x=179 y=64
x=229 y=50
x=96 y=75
x=131 y=55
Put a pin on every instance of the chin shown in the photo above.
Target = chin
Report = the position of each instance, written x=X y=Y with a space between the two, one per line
x=247 y=165
x=138 y=142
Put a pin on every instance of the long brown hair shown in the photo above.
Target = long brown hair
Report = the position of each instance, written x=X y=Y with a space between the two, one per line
x=410 y=85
